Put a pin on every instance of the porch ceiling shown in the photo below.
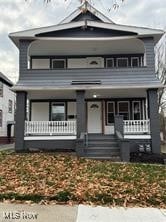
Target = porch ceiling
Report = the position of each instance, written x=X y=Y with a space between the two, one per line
x=98 y=93
x=84 y=47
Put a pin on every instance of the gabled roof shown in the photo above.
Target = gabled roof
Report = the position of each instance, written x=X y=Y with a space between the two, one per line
x=71 y=23
x=4 y=79
x=84 y=8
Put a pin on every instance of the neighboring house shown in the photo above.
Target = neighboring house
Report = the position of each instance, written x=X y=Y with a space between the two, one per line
x=90 y=83
x=7 y=104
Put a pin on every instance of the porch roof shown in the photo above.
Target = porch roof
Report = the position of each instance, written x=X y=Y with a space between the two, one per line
x=67 y=85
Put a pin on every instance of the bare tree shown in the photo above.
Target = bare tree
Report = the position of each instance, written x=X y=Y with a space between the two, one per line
x=160 y=52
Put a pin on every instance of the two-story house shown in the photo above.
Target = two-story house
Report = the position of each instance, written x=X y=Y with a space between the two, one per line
x=7 y=110
x=89 y=83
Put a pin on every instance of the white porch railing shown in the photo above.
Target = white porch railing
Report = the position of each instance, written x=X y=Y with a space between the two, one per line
x=50 y=128
x=136 y=126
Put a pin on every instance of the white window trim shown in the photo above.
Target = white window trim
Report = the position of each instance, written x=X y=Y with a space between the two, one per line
x=58 y=60
x=122 y=58
x=132 y=58
x=112 y=62
x=109 y=124
x=134 y=101
x=128 y=107
x=59 y=103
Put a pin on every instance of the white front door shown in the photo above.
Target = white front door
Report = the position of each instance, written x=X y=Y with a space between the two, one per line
x=94 y=117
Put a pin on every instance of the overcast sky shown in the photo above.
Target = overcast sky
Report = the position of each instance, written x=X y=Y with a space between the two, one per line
x=17 y=15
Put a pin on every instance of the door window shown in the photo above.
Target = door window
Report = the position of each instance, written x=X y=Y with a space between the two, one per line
x=110 y=112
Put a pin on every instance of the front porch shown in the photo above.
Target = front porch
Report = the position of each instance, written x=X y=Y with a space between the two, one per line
x=60 y=120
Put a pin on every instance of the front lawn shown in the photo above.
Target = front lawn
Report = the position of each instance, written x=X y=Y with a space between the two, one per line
x=47 y=178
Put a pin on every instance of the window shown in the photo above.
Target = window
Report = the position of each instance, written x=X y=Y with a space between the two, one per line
x=0 y=118
x=110 y=112
x=58 y=64
x=136 y=108
x=122 y=62
x=1 y=89
x=40 y=63
x=58 y=112
x=123 y=109
x=110 y=63
x=135 y=62
x=10 y=106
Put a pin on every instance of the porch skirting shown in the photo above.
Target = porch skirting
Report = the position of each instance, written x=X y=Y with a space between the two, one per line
x=50 y=144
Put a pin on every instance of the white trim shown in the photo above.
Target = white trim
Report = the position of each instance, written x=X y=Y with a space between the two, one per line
x=85 y=87
x=132 y=58
x=122 y=58
x=136 y=101
x=50 y=138
x=112 y=62
x=126 y=101
x=137 y=136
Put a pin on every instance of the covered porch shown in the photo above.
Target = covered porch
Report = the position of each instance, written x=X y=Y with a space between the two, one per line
x=66 y=115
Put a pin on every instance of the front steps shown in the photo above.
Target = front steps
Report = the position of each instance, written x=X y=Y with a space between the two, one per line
x=102 y=147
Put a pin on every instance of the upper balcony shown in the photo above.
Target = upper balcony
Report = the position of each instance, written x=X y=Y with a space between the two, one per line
x=83 y=54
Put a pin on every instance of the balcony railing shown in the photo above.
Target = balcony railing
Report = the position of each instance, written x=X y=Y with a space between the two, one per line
x=50 y=128
x=136 y=126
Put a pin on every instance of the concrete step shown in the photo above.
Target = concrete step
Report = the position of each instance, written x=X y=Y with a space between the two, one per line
x=102 y=148
x=103 y=144
x=113 y=158
x=101 y=153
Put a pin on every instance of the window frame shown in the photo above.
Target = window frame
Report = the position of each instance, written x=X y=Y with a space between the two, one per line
x=65 y=64
x=1 y=89
x=10 y=106
x=113 y=102
x=132 y=58
x=58 y=103
x=126 y=58
x=128 y=108
x=135 y=101
x=1 y=117
x=112 y=63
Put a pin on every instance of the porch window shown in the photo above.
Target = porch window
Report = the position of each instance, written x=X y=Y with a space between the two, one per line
x=136 y=108
x=110 y=112
x=58 y=112
x=122 y=62
x=110 y=63
x=1 y=89
x=135 y=62
x=58 y=64
x=123 y=109
x=40 y=63
x=0 y=118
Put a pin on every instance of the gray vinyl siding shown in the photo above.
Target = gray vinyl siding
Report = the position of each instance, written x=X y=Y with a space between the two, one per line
x=140 y=75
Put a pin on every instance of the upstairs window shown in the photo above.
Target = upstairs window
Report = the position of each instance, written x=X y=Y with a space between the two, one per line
x=110 y=63
x=1 y=89
x=58 y=64
x=135 y=62
x=0 y=118
x=122 y=62
x=40 y=63
x=10 y=106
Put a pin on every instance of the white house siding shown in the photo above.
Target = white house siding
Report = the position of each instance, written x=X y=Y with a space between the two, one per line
x=40 y=111
x=4 y=106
